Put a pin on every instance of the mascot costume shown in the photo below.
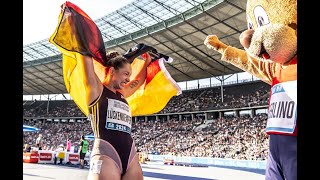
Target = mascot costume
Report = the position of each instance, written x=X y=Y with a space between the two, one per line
x=270 y=54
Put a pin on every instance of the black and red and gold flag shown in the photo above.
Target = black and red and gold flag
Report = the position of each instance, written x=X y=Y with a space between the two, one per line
x=77 y=35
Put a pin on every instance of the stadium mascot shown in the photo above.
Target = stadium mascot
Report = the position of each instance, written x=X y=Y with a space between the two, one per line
x=270 y=47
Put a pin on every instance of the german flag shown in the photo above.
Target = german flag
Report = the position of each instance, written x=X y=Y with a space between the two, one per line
x=157 y=90
x=76 y=33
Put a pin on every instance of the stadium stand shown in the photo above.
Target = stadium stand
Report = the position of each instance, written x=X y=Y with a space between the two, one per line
x=236 y=136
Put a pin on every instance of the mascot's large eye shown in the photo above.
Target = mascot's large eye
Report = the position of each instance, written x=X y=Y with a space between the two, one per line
x=261 y=16
x=250 y=24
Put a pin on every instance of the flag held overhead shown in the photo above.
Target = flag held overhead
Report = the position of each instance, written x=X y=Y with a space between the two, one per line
x=77 y=35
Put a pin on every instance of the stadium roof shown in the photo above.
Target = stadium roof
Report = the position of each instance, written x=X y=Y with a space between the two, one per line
x=176 y=28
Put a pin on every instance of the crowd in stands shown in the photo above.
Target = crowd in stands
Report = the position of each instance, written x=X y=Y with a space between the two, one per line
x=233 y=137
x=59 y=108
x=230 y=137
x=235 y=96
x=56 y=134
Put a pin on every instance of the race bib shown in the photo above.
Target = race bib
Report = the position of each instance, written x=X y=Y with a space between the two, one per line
x=118 y=116
x=282 y=113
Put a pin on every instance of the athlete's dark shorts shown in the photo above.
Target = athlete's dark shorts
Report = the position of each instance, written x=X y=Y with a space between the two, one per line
x=82 y=155
x=121 y=156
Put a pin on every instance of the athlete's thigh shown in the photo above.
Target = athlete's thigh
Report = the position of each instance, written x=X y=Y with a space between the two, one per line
x=103 y=168
x=134 y=171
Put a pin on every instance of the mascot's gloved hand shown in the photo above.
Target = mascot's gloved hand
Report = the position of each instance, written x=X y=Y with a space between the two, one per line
x=213 y=42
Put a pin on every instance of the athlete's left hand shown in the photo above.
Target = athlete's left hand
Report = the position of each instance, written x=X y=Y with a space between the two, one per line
x=146 y=56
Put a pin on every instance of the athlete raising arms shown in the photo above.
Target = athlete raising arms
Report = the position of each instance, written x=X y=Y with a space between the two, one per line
x=113 y=155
